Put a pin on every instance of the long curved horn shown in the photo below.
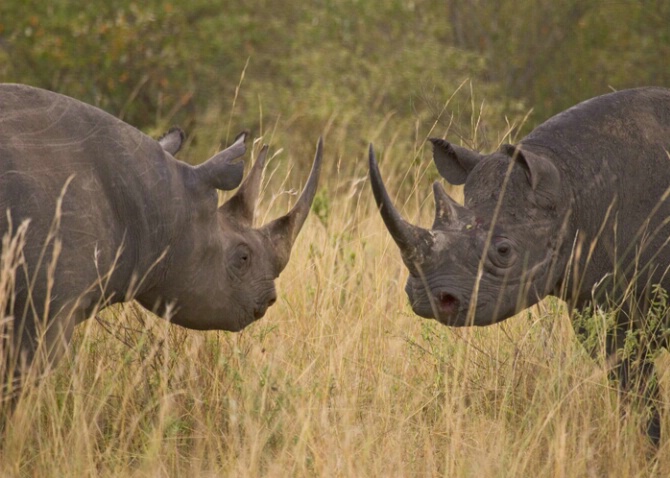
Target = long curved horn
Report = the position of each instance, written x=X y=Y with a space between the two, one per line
x=410 y=239
x=242 y=205
x=284 y=230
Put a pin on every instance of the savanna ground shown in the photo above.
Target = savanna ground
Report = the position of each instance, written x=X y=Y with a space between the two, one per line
x=340 y=378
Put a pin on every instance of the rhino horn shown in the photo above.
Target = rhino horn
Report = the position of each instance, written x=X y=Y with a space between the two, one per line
x=242 y=205
x=284 y=230
x=221 y=171
x=408 y=237
x=447 y=211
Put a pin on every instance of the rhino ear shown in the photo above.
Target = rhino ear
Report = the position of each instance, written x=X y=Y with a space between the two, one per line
x=542 y=174
x=219 y=171
x=453 y=162
x=172 y=140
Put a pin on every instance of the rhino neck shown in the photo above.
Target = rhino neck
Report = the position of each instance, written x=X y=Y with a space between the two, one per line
x=155 y=216
x=166 y=256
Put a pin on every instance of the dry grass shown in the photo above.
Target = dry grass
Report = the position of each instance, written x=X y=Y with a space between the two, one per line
x=339 y=379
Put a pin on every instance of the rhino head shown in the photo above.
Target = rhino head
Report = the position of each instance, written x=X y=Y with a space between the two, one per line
x=499 y=253
x=220 y=274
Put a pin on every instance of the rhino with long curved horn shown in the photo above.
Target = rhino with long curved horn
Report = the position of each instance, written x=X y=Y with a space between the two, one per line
x=106 y=214
x=579 y=209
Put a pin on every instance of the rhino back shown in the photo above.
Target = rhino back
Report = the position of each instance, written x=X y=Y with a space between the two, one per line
x=121 y=195
x=612 y=152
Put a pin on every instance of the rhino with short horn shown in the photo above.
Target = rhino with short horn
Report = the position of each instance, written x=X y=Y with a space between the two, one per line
x=578 y=209
x=106 y=214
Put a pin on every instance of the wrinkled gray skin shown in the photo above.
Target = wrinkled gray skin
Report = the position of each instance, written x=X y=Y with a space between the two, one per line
x=134 y=223
x=577 y=209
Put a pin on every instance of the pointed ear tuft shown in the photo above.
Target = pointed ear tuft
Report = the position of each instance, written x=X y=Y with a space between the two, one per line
x=453 y=162
x=172 y=140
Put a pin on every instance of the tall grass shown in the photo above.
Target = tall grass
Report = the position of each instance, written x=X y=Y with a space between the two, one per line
x=339 y=379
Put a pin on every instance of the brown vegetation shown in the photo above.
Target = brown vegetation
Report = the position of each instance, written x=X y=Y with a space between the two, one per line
x=340 y=378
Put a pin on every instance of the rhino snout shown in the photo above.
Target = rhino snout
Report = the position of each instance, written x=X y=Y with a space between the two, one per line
x=435 y=303
x=265 y=303
x=447 y=304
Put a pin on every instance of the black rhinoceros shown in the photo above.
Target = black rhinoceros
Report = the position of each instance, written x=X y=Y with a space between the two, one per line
x=578 y=209
x=94 y=212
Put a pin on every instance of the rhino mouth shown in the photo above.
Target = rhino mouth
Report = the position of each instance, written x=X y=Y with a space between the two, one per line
x=448 y=309
x=256 y=314
x=441 y=305
x=265 y=302
x=447 y=304
x=260 y=310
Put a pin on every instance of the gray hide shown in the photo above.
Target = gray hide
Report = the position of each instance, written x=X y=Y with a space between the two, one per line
x=578 y=209
x=112 y=216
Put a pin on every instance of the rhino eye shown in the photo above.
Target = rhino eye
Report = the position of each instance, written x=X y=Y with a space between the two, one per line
x=502 y=252
x=241 y=258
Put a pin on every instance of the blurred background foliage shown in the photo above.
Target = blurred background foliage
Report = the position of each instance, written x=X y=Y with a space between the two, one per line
x=360 y=71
